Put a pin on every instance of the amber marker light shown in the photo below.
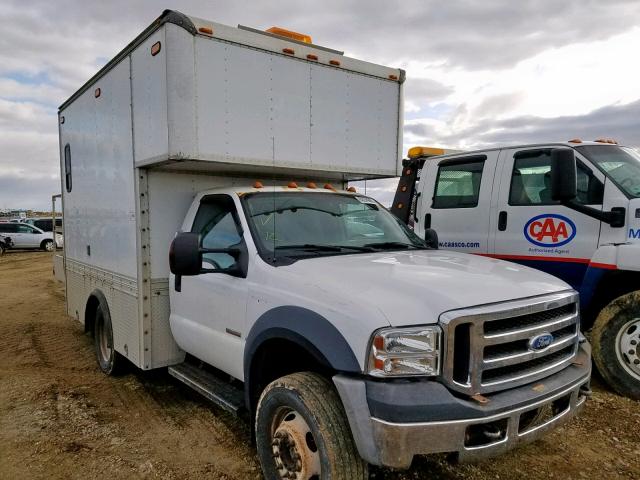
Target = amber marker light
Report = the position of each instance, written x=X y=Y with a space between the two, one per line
x=155 y=49
x=283 y=32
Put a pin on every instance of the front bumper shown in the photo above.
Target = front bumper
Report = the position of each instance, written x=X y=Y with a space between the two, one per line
x=458 y=425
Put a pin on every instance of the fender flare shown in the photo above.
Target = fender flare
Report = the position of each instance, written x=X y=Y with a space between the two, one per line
x=305 y=328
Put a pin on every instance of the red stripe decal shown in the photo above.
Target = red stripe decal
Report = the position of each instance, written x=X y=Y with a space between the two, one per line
x=606 y=266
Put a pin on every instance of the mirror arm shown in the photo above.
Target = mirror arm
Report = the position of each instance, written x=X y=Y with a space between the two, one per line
x=615 y=218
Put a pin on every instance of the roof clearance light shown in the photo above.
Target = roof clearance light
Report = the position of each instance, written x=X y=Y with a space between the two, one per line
x=328 y=186
x=607 y=140
x=393 y=77
x=97 y=92
x=417 y=152
x=575 y=140
x=288 y=51
x=352 y=189
x=282 y=32
x=206 y=30
x=312 y=57
x=335 y=63
x=292 y=185
x=257 y=184
x=311 y=185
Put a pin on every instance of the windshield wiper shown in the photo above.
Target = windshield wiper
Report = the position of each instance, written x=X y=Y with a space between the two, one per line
x=394 y=245
x=325 y=248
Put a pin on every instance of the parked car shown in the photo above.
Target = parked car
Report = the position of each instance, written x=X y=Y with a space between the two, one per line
x=24 y=235
x=44 y=223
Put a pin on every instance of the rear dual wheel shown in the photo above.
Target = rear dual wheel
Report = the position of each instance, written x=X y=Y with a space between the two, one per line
x=302 y=432
x=110 y=361
x=616 y=344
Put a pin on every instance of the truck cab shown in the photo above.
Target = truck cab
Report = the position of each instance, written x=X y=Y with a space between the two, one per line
x=501 y=203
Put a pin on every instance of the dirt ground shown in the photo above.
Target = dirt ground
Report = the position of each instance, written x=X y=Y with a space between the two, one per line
x=61 y=418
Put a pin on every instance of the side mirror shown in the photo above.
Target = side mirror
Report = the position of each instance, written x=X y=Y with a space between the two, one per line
x=431 y=238
x=185 y=257
x=564 y=175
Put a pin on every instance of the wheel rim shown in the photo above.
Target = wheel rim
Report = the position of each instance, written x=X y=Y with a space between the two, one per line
x=295 y=449
x=628 y=347
x=104 y=342
x=48 y=246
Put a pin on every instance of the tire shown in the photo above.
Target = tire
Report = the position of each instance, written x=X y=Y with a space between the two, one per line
x=2 y=249
x=289 y=406
x=110 y=361
x=615 y=338
x=48 y=246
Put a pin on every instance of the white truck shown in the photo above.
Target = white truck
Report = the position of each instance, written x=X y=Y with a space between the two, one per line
x=208 y=230
x=571 y=209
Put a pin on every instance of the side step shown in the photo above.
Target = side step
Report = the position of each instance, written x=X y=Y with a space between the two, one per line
x=223 y=394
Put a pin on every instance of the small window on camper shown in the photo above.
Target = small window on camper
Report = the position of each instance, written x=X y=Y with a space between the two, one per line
x=67 y=167
x=458 y=184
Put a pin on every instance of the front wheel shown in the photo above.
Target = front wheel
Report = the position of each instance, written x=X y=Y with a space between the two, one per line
x=302 y=431
x=48 y=245
x=616 y=344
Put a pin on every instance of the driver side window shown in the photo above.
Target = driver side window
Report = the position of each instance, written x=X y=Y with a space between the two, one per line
x=216 y=222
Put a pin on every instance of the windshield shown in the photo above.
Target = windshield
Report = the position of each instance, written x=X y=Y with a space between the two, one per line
x=620 y=164
x=306 y=224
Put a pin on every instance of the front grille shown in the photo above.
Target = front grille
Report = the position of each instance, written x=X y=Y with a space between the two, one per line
x=489 y=348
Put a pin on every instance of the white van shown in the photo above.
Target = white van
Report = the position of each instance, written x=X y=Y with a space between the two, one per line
x=25 y=236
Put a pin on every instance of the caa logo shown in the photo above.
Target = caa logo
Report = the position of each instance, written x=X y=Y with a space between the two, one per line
x=550 y=230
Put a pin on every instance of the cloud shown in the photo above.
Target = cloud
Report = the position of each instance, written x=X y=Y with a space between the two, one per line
x=617 y=121
x=28 y=193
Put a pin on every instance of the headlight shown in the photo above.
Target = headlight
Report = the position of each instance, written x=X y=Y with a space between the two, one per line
x=401 y=352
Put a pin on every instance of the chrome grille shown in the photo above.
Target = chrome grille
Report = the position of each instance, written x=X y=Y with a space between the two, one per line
x=488 y=349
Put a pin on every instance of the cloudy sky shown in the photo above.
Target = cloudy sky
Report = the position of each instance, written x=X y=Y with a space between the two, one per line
x=479 y=73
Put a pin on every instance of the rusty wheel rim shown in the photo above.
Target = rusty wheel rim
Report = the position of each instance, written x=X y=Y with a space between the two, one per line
x=294 y=447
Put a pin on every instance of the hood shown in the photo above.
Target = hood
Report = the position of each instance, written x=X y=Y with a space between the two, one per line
x=415 y=287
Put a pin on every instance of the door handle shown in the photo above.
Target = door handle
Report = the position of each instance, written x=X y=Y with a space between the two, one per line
x=427 y=220
x=502 y=221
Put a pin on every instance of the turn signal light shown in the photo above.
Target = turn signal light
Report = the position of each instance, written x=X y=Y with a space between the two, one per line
x=417 y=152
x=282 y=32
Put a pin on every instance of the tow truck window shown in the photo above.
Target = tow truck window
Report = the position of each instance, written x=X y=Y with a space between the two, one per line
x=531 y=181
x=620 y=164
x=458 y=185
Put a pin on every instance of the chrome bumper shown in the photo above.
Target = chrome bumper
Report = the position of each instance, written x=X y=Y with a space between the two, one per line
x=398 y=443
x=479 y=436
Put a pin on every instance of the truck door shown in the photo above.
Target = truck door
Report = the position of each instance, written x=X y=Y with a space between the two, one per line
x=455 y=200
x=534 y=230
x=208 y=314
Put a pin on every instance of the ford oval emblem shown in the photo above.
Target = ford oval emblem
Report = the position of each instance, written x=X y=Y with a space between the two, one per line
x=540 y=342
x=550 y=230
